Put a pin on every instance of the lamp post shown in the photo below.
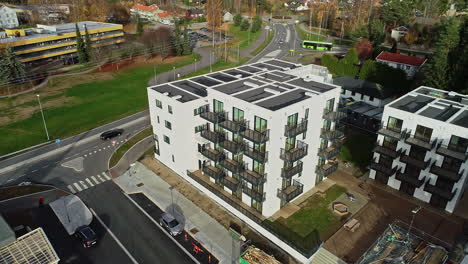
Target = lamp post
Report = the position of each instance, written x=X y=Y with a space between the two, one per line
x=195 y=64
x=413 y=212
x=173 y=71
x=172 y=199
x=43 y=118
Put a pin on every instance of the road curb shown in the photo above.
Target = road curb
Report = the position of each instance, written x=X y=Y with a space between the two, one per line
x=108 y=163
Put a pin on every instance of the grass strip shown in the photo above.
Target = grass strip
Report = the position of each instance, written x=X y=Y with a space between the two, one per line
x=264 y=44
x=15 y=191
x=118 y=154
x=303 y=35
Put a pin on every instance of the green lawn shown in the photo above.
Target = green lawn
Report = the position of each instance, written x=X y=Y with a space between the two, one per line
x=95 y=103
x=303 y=35
x=357 y=149
x=127 y=145
x=242 y=39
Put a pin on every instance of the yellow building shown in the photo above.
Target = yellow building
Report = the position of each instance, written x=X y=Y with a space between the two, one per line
x=49 y=42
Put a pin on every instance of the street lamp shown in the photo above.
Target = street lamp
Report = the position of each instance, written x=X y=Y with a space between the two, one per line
x=43 y=119
x=173 y=71
x=195 y=65
x=172 y=199
x=414 y=212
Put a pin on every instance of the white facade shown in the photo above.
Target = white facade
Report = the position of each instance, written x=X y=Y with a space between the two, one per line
x=358 y=97
x=228 y=17
x=8 y=18
x=423 y=146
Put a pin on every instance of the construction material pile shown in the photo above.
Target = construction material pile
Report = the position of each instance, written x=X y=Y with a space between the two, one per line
x=397 y=246
x=256 y=256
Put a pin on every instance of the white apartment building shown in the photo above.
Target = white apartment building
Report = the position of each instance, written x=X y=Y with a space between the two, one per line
x=422 y=146
x=8 y=17
x=252 y=138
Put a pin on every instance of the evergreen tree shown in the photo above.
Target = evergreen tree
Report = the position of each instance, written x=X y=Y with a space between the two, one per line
x=87 y=44
x=396 y=11
x=139 y=26
x=11 y=69
x=80 y=46
x=237 y=19
x=186 y=45
x=244 y=25
x=459 y=62
x=256 y=24
x=437 y=70
x=177 y=40
x=376 y=32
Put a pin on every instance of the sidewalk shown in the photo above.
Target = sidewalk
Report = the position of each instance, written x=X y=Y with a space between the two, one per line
x=204 y=228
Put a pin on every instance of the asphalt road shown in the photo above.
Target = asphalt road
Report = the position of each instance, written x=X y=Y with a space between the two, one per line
x=281 y=44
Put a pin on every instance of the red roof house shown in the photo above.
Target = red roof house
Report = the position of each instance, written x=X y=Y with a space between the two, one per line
x=151 y=8
x=410 y=64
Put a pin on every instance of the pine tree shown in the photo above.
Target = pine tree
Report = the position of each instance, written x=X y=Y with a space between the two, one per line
x=177 y=40
x=459 y=62
x=80 y=47
x=186 y=45
x=237 y=19
x=11 y=69
x=256 y=24
x=87 y=44
x=244 y=25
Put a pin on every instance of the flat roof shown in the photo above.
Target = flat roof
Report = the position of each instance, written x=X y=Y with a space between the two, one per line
x=436 y=104
x=272 y=84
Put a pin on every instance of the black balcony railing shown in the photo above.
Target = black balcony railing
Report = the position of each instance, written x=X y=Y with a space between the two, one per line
x=334 y=115
x=253 y=177
x=386 y=169
x=214 y=137
x=234 y=147
x=257 y=196
x=331 y=134
x=393 y=132
x=412 y=179
x=296 y=129
x=331 y=151
x=453 y=151
x=290 y=192
x=326 y=170
x=391 y=152
x=213 y=154
x=255 y=136
x=425 y=143
x=232 y=165
x=231 y=183
x=417 y=162
x=290 y=172
x=296 y=153
x=446 y=172
x=257 y=155
x=444 y=193
x=214 y=117
x=213 y=172
x=234 y=126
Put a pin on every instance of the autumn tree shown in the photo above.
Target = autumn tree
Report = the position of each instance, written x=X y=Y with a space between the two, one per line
x=364 y=49
x=411 y=36
x=213 y=11
x=155 y=39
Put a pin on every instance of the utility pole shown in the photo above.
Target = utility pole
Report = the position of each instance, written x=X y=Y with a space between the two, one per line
x=43 y=118
x=370 y=11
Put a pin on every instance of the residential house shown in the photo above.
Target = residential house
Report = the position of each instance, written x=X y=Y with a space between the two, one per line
x=409 y=64
x=146 y=12
x=194 y=13
x=399 y=32
x=228 y=17
x=8 y=17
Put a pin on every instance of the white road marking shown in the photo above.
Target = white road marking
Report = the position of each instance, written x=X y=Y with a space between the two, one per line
x=71 y=189
x=77 y=186
x=84 y=185
x=100 y=178
x=10 y=180
x=22 y=175
x=34 y=170
x=106 y=176
x=94 y=179
x=89 y=182
x=113 y=236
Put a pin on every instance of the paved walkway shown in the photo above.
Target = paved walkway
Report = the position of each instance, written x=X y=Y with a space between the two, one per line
x=132 y=155
x=204 y=228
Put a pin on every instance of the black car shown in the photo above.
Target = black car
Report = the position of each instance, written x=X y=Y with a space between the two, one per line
x=86 y=235
x=111 y=133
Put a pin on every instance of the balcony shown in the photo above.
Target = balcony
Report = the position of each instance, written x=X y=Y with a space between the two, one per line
x=425 y=143
x=257 y=155
x=326 y=169
x=290 y=192
x=296 y=129
x=233 y=147
x=391 y=152
x=331 y=151
x=383 y=168
x=331 y=134
x=449 y=173
x=444 y=193
x=453 y=151
x=253 y=177
x=412 y=179
x=214 y=117
x=213 y=172
x=290 y=172
x=334 y=115
x=214 y=137
x=294 y=154
x=232 y=165
x=419 y=163
x=233 y=126
x=231 y=183
x=212 y=154
x=257 y=196
x=255 y=136
x=396 y=133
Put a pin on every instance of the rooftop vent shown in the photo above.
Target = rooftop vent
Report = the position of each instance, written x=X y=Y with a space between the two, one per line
x=177 y=97
x=166 y=93
x=238 y=76
x=251 y=84
x=275 y=92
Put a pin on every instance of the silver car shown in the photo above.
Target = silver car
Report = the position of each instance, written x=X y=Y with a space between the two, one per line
x=171 y=224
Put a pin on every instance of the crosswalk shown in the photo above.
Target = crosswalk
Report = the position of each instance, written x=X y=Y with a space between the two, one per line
x=89 y=182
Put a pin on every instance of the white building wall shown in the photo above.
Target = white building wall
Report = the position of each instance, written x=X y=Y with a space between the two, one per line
x=8 y=17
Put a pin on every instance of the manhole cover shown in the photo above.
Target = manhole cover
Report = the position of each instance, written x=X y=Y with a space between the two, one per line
x=194 y=231
x=140 y=184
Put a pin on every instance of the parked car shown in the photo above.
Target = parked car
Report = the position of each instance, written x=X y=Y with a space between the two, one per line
x=86 y=235
x=204 y=29
x=229 y=37
x=171 y=224
x=111 y=133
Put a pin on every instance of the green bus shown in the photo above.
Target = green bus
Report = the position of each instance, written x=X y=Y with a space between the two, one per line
x=316 y=45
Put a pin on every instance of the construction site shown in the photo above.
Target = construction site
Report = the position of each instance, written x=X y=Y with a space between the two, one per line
x=396 y=245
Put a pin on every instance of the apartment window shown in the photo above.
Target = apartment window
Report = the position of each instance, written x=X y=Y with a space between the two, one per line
x=201 y=128
x=292 y=120
x=173 y=159
x=306 y=114
x=158 y=103
x=195 y=112
x=169 y=109
x=394 y=124
x=237 y=114
x=458 y=144
x=260 y=124
x=258 y=167
x=330 y=104
x=168 y=125
x=371 y=98
x=218 y=106
x=423 y=133
x=167 y=140
x=158 y=119
x=156 y=144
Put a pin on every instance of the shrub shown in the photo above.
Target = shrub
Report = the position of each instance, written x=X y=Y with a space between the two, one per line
x=237 y=20
x=244 y=25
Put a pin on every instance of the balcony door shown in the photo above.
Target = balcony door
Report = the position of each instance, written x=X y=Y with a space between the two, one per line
x=218 y=106
x=237 y=114
x=458 y=144
x=423 y=133
x=260 y=124
x=394 y=124
x=292 y=120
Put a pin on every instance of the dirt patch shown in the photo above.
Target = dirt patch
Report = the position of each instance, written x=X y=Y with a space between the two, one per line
x=214 y=210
